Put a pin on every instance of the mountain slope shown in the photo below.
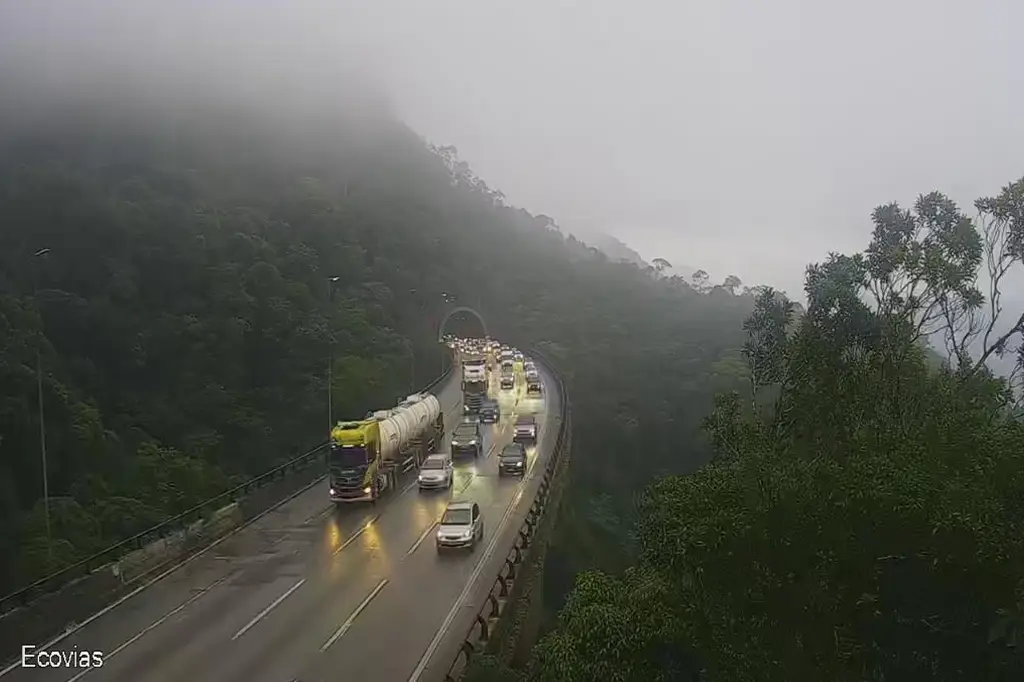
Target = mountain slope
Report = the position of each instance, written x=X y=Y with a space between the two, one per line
x=184 y=312
x=612 y=247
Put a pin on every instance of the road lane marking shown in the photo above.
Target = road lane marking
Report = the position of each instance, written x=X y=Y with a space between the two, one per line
x=355 y=614
x=439 y=449
x=195 y=555
x=355 y=536
x=423 y=537
x=110 y=607
x=274 y=604
x=469 y=481
x=439 y=635
x=319 y=515
x=152 y=626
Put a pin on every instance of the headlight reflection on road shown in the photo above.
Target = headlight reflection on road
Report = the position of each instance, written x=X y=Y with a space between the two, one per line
x=334 y=533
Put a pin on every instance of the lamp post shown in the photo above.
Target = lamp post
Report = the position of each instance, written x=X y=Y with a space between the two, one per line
x=330 y=353
x=42 y=415
x=449 y=299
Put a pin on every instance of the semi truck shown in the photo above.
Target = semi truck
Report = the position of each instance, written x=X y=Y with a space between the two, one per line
x=473 y=394
x=367 y=456
x=474 y=369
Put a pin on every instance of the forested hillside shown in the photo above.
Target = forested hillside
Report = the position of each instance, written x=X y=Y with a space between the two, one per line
x=863 y=517
x=184 y=277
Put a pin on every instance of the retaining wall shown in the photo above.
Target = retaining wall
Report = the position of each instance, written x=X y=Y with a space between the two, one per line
x=503 y=618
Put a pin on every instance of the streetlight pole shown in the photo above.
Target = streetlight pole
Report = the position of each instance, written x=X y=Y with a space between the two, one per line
x=448 y=299
x=330 y=353
x=42 y=415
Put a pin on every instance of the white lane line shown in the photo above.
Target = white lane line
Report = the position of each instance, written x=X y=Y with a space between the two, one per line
x=420 y=540
x=274 y=604
x=439 y=635
x=355 y=536
x=46 y=646
x=110 y=607
x=415 y=482
x=355 y=614
x=320 y=515
x=422 y=665
x=469 y=481
x=152 y=626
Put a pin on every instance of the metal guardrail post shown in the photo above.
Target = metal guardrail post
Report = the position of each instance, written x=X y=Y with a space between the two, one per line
x=494 y=605
x=60 y=579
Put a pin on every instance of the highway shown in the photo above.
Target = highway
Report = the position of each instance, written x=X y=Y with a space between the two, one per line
x=313 y=593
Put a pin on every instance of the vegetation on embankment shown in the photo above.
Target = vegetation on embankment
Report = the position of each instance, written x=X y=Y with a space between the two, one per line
x=863 y=517
x=184 y=310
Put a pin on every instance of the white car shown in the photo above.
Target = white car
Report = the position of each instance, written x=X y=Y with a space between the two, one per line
x=461 y=526
x=436 y=473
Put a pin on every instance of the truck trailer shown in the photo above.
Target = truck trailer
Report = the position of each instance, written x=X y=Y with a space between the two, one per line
x=367 y=456
x=473 y=395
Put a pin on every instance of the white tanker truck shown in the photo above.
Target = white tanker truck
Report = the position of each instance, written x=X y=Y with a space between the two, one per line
x=367 y=456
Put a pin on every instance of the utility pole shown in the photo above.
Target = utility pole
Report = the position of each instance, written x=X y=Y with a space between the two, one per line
x=42 y=415
x=330 y=353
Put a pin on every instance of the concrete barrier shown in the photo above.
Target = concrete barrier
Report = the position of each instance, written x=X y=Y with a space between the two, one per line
x=52 y=614
x=497 y=617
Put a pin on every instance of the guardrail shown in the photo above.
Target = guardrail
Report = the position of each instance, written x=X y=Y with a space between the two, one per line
x=80 y=569
x=498 y=597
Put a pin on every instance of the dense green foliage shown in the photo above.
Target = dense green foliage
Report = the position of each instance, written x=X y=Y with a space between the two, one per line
x=864 y=515
x=846 y=508
x=183 y=316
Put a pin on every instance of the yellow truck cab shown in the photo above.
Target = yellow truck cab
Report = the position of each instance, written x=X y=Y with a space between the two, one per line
x=353 y=460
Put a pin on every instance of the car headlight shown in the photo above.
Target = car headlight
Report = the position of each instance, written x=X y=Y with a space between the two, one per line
x=466 y=533
x=366 y=490
x=455 y=443
x=472 y=442
x=421 y=478
x=332 y=491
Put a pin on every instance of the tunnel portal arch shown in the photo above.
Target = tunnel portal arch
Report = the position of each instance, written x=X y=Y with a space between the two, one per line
x=454 y=311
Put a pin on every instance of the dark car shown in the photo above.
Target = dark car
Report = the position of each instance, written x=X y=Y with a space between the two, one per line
x=467 y=438
x=533 y=386
x=490 y=412
x=512 y=460
x=525 y=430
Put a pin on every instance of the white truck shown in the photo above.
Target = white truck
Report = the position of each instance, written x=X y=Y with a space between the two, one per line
x=368 y=456
x=474 y=370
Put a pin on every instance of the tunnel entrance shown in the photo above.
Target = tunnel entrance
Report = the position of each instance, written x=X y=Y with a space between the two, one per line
x=462 y=321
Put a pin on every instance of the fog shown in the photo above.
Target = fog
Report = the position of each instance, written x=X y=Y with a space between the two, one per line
x=739 y=136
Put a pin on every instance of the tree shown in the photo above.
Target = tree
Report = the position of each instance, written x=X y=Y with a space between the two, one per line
x=700 y=280
x=866 y=527
x=198 y=285
x=732 y=283
x=1002 y=218
x=619 y=630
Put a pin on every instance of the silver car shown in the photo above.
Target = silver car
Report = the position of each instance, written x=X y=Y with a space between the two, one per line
x=436 y=473
x=525 y=430
x=461 y=526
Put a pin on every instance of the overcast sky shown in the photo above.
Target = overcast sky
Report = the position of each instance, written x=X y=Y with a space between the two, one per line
x=738 y=135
